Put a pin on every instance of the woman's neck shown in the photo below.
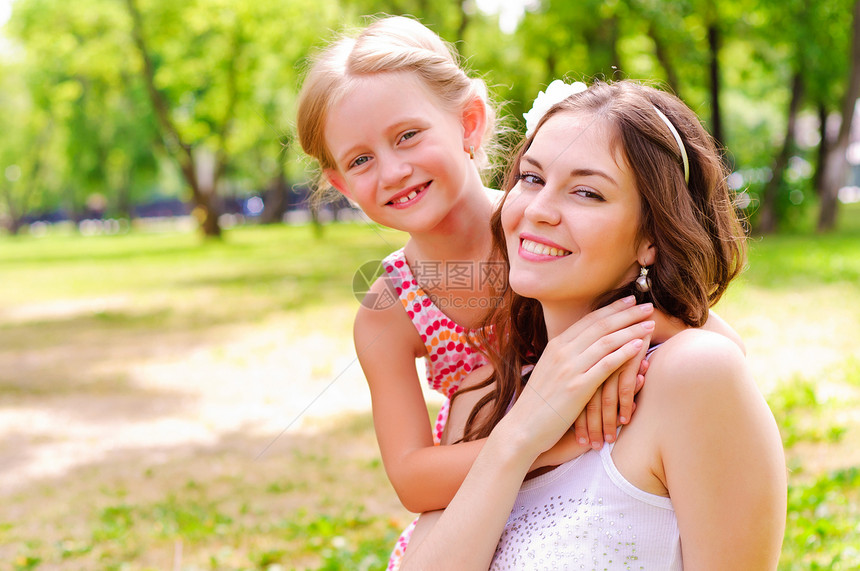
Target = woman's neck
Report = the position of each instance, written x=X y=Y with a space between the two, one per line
x=559 y=317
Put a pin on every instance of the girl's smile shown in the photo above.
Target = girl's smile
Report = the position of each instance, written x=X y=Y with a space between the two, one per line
x=408 y=197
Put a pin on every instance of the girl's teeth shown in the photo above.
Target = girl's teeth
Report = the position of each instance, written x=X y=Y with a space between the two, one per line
x=406 y=198
x=543 y=250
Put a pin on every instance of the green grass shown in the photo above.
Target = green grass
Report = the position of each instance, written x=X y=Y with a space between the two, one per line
x=74 y=309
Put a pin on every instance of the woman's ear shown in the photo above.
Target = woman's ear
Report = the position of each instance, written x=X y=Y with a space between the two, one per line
x=335 y=179
x=646 y=254
x=474 y=121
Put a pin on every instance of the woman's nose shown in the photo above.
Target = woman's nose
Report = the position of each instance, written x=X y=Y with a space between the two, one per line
x=542 y=207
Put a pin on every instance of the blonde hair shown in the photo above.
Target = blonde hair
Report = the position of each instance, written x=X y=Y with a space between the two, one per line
x=391 y=44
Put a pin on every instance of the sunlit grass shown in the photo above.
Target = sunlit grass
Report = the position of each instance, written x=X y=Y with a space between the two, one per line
x=323 y=502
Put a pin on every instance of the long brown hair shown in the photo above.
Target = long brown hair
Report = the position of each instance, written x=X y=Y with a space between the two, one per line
x=698 y=237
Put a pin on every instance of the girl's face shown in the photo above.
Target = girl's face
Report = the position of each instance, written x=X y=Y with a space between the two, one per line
x=571 y=222
x=399 y=154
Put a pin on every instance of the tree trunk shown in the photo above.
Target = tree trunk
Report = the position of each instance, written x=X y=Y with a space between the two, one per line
x=714 y=72
x=769 y=217
x=464 y=21
x=203 y=205
x=823 y=147
x=14 y=223
x=835 y=167
x=663 y=57
x=275 y=200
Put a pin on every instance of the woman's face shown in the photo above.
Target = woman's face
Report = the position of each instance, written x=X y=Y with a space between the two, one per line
x=571 y=222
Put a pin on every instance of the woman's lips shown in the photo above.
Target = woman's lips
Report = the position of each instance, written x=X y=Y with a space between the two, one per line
x=542 y=249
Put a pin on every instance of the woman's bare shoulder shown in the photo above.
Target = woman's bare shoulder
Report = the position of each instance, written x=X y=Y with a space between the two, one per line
x=697 y=365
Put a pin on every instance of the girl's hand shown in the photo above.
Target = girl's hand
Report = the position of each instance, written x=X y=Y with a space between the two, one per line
x=612 y=404
x=569 y=371
x=566 y=449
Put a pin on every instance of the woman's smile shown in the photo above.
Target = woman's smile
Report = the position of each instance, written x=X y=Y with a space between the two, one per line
x=539 y=249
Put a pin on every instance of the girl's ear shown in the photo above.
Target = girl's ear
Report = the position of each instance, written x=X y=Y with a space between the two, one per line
x=474 y=121
x=335 y=179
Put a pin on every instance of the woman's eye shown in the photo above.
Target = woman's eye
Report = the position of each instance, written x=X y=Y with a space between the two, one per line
x=530 y=178
x=588 y=193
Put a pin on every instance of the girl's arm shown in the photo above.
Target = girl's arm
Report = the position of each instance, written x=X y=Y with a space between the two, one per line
x=465 y=535
x=728 y=491
x=424 y=476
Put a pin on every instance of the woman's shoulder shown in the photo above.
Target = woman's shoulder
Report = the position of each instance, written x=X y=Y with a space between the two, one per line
x=697 y=360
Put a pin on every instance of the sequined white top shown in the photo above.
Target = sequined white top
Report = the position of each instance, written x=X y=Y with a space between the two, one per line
x=586 y=515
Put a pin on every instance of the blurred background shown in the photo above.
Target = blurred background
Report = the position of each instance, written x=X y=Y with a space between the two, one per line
x=178 y=387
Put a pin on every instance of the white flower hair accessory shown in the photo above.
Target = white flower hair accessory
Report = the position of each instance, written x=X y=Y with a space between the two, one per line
x=556 y=92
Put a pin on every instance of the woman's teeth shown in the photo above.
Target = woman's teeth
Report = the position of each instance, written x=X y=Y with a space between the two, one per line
x=542 y=249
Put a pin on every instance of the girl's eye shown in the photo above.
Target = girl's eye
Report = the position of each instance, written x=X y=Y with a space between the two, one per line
x=530 y=178
x=359 y=161
x=408 y=135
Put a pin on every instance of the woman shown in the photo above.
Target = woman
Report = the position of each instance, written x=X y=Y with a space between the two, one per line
x=618 y=190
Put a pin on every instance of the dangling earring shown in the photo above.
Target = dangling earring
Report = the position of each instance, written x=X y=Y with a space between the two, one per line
x=472 y=152
x=643 y=282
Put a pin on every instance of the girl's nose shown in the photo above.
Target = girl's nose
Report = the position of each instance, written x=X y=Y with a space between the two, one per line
x=393 y=169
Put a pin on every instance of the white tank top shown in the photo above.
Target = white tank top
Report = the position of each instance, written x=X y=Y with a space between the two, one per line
x=586 y=515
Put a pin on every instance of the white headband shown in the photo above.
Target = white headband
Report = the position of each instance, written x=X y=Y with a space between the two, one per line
x=680 y=144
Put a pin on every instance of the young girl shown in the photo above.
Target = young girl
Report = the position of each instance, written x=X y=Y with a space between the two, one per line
x=399 y=128
x=622 y=181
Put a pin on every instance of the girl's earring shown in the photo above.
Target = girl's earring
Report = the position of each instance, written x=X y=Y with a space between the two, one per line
x=643 y=282
x=472 y=152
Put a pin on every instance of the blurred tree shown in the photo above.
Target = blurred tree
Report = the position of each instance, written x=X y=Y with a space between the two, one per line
x=23 y=157
x=73 y=71
x=109 y=98
x=835 y=164
x=202 y=63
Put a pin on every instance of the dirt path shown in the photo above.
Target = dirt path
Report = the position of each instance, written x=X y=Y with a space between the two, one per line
x=92 y=398
x=148 y=395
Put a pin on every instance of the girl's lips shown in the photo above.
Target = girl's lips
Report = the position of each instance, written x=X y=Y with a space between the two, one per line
x=539 y=249
x=408 y=197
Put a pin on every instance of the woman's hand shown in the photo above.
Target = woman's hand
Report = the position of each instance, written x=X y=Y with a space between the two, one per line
x=612 y=404
x=569 y=371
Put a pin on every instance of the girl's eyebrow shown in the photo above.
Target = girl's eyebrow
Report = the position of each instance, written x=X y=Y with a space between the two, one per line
x=575 y=172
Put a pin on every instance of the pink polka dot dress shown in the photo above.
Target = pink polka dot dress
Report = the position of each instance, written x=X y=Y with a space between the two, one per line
x=449 y=356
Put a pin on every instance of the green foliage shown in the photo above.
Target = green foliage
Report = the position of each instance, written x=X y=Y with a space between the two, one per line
x=86 y=136
x=800 y=415
x=822 y=528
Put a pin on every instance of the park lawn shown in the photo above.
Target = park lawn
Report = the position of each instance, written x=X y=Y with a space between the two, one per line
x=151 y=387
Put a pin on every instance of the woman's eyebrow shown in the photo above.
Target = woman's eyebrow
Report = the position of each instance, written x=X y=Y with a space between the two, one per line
x=593 y=172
